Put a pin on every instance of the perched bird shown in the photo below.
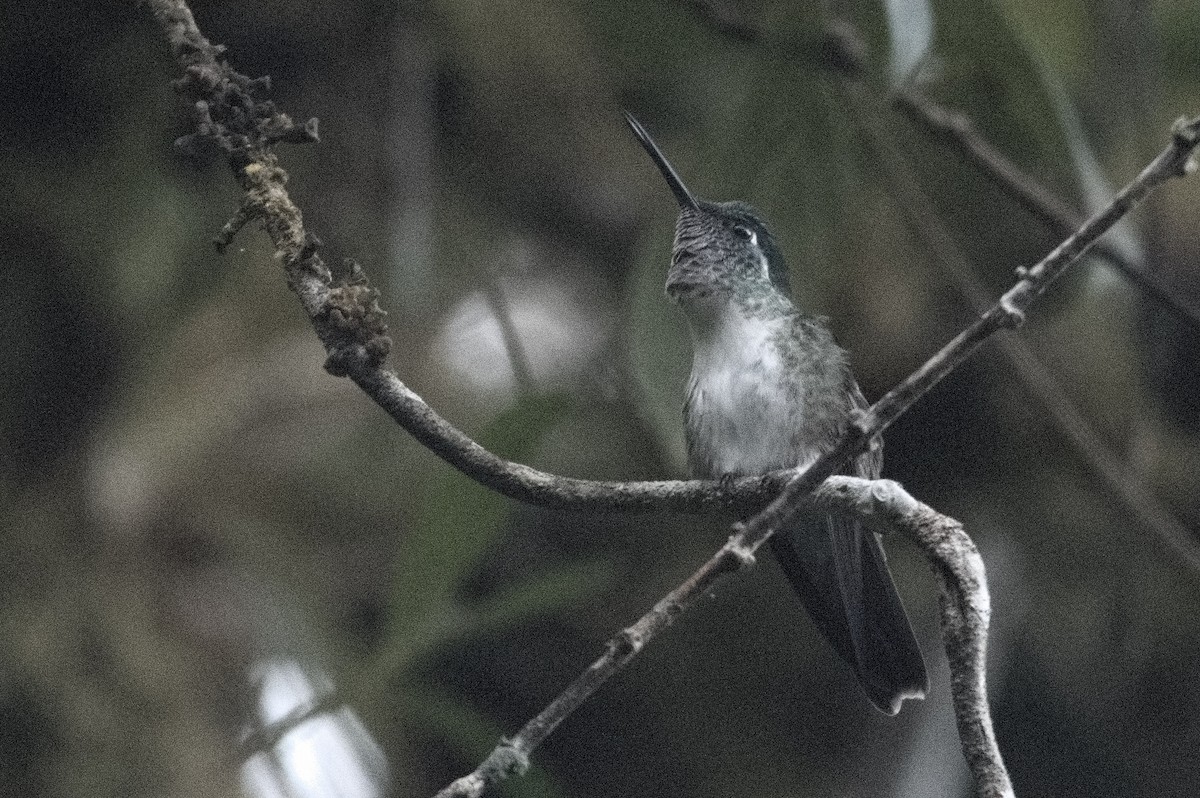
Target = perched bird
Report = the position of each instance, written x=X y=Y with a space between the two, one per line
x=770 y=389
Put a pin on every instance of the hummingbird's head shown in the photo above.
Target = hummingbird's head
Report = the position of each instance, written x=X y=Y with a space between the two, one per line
x=723 y=250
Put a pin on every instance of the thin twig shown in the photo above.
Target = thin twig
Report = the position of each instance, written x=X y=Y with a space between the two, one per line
x=349 y=323
x=241 y=217
x=525 y=484
x=958 y=131
x=351 y=350
x=966 y=609
x=265 y=738
x=843 y=52
x=938 y=241
x=1007 y=313
x=518 y=357
x=887 y=507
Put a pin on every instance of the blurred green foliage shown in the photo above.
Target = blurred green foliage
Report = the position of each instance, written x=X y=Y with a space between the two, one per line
x=185 y=490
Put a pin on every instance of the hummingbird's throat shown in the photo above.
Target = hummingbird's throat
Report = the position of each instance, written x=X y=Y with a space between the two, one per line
x=683 y=291
x=687 y=280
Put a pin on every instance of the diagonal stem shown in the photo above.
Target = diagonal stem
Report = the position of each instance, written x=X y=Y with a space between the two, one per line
x=349 y=323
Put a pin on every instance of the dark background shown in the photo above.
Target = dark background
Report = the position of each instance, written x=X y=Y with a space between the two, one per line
x=186 y=497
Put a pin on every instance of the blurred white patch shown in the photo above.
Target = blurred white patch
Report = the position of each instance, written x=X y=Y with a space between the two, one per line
x=306 y=745
x=910 y=26
x=558 y=334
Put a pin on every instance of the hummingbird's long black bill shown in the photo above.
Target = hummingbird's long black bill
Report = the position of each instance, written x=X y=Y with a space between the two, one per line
x=682 y=195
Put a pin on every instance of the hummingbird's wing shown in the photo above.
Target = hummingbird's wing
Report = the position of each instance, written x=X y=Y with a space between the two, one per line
x=840 y=572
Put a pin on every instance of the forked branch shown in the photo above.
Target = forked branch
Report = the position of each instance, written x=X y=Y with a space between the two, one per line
x=232 y=121
x=886 y=507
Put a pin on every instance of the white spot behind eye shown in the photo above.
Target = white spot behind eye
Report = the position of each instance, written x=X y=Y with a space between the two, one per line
x=742 y=231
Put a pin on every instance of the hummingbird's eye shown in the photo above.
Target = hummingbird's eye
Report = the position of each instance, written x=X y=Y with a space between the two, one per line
x=745 y=233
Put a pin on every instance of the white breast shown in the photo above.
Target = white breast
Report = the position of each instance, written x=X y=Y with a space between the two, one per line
x=745 y=410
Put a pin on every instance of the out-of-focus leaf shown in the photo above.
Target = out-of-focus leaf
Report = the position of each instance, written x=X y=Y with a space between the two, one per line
x=1062 y=32
x=994 y=71
x=659 y=350
x=987 y=71
x=1067 y=54
x=990 y=72
x=458 y=520
x=910 y=29
x=1094 y=185
x=540 y=594
x=791 y=152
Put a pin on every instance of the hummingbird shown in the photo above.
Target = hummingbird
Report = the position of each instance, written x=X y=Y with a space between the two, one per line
x=770 y=389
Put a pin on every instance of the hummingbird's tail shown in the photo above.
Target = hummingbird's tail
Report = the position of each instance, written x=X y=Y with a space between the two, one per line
x=839 y=570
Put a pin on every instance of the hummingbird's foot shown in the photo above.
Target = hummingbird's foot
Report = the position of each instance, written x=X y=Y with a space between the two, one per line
x=726 y=482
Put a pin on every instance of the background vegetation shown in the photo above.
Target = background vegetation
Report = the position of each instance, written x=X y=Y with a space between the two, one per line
x=186 y=498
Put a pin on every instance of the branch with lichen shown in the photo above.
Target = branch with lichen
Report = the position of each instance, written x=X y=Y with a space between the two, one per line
x=234 y=122
x=886 y=508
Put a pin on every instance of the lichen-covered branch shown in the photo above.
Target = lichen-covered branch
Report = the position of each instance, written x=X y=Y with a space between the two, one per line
x=346 y=315
x=965 y=606
x=231 y=122
x=234 y=122
x=887 y=508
